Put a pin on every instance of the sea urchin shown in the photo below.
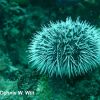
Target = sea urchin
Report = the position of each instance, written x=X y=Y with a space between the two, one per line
x=65 y=48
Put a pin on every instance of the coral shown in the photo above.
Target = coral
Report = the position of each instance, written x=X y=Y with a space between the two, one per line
x=66 y=48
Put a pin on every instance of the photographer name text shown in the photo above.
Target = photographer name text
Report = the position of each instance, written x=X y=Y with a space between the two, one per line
x=16 y=93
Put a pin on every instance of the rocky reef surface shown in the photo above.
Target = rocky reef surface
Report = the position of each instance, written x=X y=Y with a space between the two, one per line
x=19 y=21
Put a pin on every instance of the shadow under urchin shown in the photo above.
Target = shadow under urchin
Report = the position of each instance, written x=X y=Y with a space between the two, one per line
x=65 y=48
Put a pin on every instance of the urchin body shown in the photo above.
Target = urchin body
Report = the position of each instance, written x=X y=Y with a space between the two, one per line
x=65 y=48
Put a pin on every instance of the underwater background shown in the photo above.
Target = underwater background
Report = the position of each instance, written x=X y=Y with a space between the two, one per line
x=19 y=22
